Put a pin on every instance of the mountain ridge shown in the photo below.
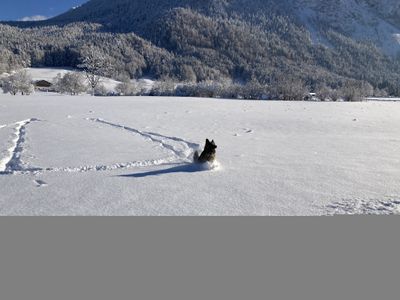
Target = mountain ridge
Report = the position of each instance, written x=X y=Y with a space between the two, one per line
x=363 y=20
x=319 y=42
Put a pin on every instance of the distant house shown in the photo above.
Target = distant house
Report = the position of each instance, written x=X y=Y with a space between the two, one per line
x=43 y=85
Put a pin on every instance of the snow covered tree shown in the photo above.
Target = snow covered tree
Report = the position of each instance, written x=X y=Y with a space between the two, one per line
x=19 y=82
x=253 y=90
x=6 y=60
x=95 y=64
x=57 y=82
x=325 y=93
x=101 y=90
x=9 y=86
x=71 y=83
x=3 y=65
x=356 y=90
x=130 y=88
x=287 y=87
x=163 y=88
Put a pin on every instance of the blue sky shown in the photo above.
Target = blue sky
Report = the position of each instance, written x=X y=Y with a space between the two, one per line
x=18 y=9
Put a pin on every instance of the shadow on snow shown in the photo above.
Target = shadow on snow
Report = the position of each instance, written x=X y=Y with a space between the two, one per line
x=186 y=168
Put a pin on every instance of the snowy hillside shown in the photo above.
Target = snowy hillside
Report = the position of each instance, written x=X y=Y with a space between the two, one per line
x=361 y=20
x=67 y=155
x=366 y=20
x=312 y=41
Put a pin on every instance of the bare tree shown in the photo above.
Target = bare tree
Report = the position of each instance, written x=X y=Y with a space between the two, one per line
x=71 y=83
x=95 y=64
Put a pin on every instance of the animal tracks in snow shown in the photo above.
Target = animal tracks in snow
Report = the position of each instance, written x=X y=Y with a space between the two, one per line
x=113 y=167
x=12 y=161
x=244 y=131
x=40 y=183
x=179 y=147
x=364 y=207
x=180 y=152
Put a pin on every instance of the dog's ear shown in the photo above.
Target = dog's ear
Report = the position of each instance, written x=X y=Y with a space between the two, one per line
x=208 y=141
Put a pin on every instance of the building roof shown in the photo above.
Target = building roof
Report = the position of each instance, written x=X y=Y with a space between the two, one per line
x=43 y=83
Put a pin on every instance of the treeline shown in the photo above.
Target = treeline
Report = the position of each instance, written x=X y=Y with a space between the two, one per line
x=287 y=88
x=186 y=46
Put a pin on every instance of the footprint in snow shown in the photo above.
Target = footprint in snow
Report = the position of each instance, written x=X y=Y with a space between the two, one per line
x=40 y=183
x=248 y=131
x=364 y=207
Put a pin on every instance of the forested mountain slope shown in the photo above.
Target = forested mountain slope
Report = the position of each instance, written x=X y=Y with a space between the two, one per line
x=367 y=20
x=317 y=41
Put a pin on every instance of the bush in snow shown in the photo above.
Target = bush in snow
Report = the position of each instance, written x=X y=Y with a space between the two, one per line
x=288 y=88
x=326 y=93
x=223 y=89
x=253 y=90
x=163 y=88
x=207 y=89
x=201 y=89
x=101 y=90
x=232 y=91
x=356 y=90
x=130 y=88
x=380 y=93
x=71 y=83
x=19 y=82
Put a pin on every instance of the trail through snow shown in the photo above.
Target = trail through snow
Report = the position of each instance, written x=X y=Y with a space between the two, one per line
x=12 y=162
x=365 y=207
x=185 y=155
x=113 y=167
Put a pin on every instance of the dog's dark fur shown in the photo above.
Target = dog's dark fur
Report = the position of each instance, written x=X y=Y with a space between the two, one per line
x=208 y=155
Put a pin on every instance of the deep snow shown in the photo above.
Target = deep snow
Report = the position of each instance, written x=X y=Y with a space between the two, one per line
x=64 y=155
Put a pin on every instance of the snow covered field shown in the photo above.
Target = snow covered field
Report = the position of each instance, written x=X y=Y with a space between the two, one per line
x=64 y=155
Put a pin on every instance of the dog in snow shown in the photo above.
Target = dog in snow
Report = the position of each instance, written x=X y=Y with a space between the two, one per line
x=208 y=155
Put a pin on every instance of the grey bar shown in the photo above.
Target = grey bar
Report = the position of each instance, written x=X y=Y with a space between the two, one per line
x=199 y=258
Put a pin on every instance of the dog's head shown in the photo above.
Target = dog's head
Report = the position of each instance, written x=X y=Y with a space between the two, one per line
x=211 y=146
